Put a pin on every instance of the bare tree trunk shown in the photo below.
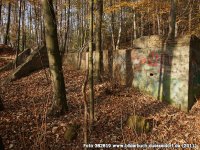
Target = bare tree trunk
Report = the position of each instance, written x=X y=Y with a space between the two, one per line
x=99 y=39
x=23 y=27
x=59 y=105
x=154 y=25
x=172 y=21
x=8 y=25
x=134 y=25
x=36 y=25
x=42 y=40
x=176 y=29
x=90 y=59
x=19 y=30
x=163 y=26
x=30 y=20
x=15 y=19
x=158 y=23
x=142 y=25
x=82 y=24
x=0 y=12
x=158 y=20
x=120 y=31
x=65 y=48
x=112 y=28
x=190 y=19
x=78 y=29
x=148 y=20
x=85 y=130
x=61 y=35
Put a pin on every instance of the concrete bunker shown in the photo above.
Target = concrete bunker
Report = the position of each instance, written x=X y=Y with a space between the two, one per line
x=168 y=71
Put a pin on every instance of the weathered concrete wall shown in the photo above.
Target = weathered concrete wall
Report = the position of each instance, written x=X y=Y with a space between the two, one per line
x=21 y=58
x=163 y=72
x=37 y=60
x=168 y=72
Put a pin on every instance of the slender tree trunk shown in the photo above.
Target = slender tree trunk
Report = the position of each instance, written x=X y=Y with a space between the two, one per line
x=19 y=30
x=158 y=20
x=176 y=29
x=15 y=19
x=59 y=105
x=90 y=59
x=172 y=21
x=134 y=24
x=0 y=12
x=120 y=30
x=85 y=129
x=78 y=29
x=112 y=28
x=148 y=20
x=162 y=21
x=142 y=25
x=65 y=48
x=158 y=24
x=61 y=31
x=30 y=21
x=23 y=27
x=99 y=39
x=190 y=19
x=42 y=40
x=8 y=25
x=82 y=24
x=154 y=25
x=36 y=25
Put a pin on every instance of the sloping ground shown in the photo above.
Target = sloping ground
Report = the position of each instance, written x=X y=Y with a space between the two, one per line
x=23 y=124
x=6 y=50
x=7 y=54
x=28 y=63
x=3 y=62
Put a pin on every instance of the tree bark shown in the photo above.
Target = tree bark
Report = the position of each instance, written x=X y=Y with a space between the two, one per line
x=18 y=35
x=0 y=12
x=190 y=19
x=134 y=24
x=65 y=48
x=36 y=25
x=112 y=27
x=30 y=20
x=85 y=129
x=99 y=39
x=59 y=105
x=120 y=30
x=158 y=20
x=90 y=59
x=142 y=25
x=8 y=25
x=158 y=23
x=172 y=21
x=23 y=27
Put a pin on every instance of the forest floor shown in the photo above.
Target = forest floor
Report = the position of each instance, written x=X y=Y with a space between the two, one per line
x=6 y=54
x=24 y=125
